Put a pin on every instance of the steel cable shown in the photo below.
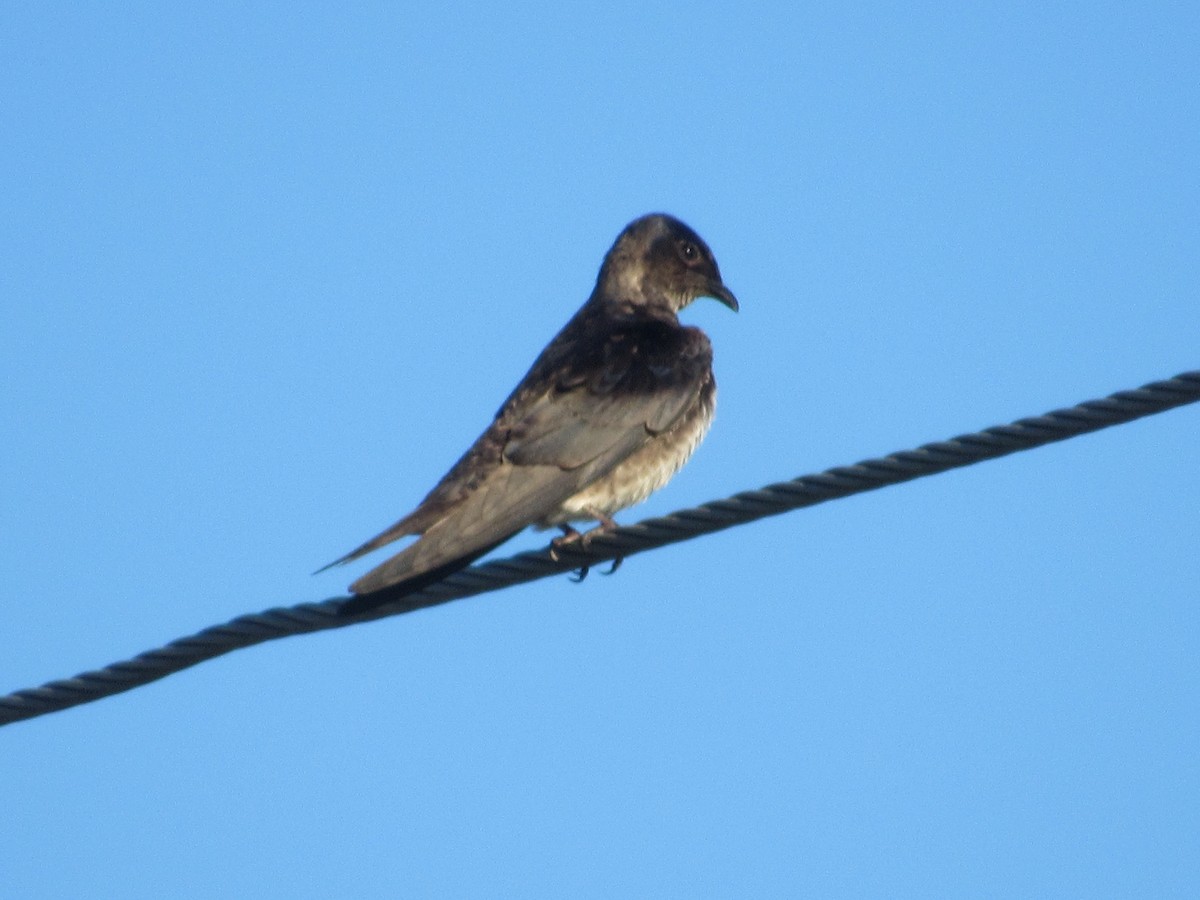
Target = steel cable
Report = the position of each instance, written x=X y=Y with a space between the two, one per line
x=747 y=506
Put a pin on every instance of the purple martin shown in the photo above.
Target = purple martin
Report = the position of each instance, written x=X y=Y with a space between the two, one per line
x=609 y=412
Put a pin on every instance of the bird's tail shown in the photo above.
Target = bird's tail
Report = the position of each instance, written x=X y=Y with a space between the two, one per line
x=400 y=529
x=380 y=585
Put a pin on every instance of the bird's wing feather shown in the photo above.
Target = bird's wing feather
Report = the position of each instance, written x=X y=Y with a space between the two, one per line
x=611 y=405
x=505 y=502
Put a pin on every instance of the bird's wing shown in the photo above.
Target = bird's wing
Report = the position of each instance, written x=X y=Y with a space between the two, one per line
x=630 y=388
x=556 y=440
x=506 y=500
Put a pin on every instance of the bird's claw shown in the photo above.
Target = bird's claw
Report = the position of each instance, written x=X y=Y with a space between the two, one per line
x=572 y=536
x=569 y=536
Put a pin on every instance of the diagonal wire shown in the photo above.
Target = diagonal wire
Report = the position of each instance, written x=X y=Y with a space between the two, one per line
x=808 y=490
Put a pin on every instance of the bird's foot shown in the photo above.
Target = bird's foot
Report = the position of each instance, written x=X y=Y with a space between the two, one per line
x=571 y=536
x=606 y=525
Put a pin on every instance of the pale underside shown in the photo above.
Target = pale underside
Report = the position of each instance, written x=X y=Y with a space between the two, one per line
x=644 y=472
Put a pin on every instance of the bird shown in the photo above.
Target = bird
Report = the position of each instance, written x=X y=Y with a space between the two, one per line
x=610 y=410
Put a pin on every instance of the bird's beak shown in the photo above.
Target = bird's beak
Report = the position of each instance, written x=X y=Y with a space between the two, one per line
x=718 y=291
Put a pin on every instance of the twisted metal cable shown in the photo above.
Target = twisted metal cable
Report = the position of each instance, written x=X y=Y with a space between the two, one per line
x=808 y=490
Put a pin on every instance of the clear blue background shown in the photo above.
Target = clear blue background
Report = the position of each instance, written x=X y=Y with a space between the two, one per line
x=265 y=271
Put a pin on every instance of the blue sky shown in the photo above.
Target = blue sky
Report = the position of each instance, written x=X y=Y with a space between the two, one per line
x=267 y=270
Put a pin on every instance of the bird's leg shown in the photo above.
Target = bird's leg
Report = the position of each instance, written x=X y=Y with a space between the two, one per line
x=606 y=525
x=572 y=536
x=569 y=536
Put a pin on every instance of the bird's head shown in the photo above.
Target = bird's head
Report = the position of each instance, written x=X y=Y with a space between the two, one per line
x=658 y=261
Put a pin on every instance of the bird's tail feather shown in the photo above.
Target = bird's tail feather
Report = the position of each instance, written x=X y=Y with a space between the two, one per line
x=397 y=531
x=374 y=589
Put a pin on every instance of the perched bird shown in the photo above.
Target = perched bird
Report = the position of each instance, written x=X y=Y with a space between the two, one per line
x=610 y=410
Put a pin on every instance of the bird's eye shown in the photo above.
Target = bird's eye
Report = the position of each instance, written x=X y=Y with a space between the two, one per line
x=689 y=251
